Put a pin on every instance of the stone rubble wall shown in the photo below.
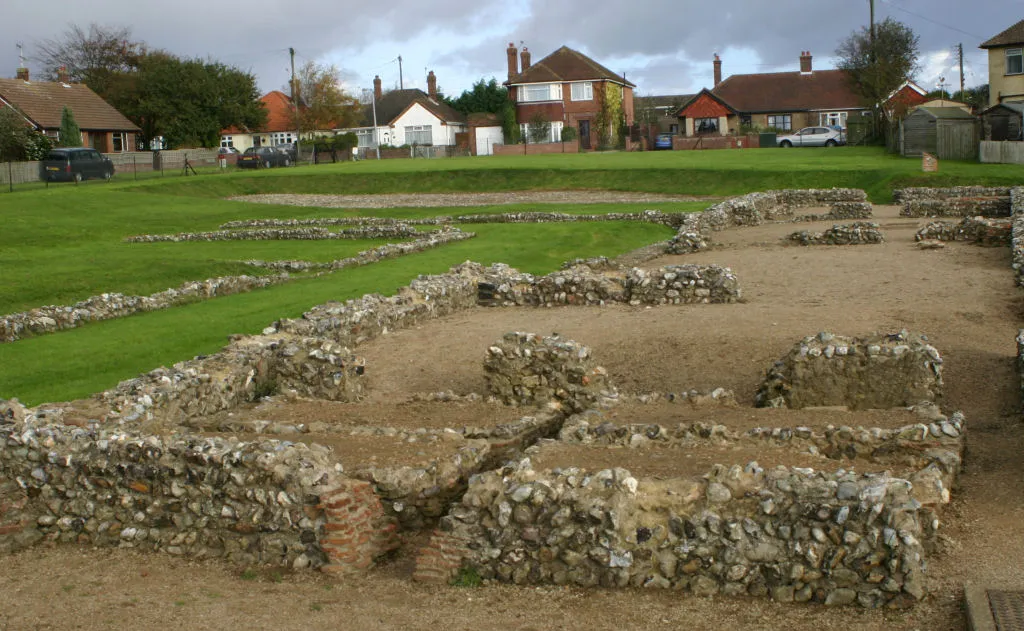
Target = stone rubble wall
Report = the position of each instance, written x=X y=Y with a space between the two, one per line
x=110 y=306
x=1017 y=233
x=528 y=369
x=390 y=231
x=270 y=502
x=880 y=371
x=980 y=230
x=788 y=534
x=857 y=233
x=957 y=201
x=651 y=216
x=1020 y=358
x=582 y=285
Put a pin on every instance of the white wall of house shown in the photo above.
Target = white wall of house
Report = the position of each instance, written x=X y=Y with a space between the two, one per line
x=421 y=120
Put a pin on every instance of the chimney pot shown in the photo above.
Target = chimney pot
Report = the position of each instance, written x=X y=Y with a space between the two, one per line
x=525 y=56
x=432 y=85
x=718 y=69
x=513 y=61
x=378 y=92
x=22 y=74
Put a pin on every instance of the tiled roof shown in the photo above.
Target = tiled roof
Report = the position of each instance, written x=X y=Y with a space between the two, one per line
x=42 y=103
x=483 y=119
x=672 y=101
x=566 y=64
x=705 y=104
x=1009 y=37
x=280 y=116
x=394 y=103
x=788 y=92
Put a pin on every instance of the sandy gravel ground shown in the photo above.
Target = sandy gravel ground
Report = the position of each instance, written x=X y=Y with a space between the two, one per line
x=963 y=297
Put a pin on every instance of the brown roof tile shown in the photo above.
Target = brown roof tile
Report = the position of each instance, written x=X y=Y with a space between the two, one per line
x=43 y=101
x=1009 y=37
x=788 y=92
x=566 y=64
x=395 y=102
x=280 y=117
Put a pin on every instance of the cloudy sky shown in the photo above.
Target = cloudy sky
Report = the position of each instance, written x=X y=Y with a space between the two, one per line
x=664 y=46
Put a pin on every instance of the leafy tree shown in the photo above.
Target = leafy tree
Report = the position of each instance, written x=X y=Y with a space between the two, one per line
x=13 y=131
x=509 y=126
x=539 y=129
x=484 y=96
x=98 y=56
x=323 y=104
x=70 y=134
x=878 y=66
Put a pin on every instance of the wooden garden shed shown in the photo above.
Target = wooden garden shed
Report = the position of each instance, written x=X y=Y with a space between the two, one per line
x=949 y=133
x=1004 y=121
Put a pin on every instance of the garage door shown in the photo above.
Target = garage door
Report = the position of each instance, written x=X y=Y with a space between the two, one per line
x=486 y=137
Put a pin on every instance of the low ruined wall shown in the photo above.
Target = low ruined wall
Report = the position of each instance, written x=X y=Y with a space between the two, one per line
x=857 y=233
x=248 y=503
x=1017 y=233
x=529 y=369
x=882 y=371
x=979 y=230
x=787 y=534
x=386 y=231
x=650 y=216
x=958 y=201
x=583 y=285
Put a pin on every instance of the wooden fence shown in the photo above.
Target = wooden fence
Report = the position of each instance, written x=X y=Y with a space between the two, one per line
x=1002 y=152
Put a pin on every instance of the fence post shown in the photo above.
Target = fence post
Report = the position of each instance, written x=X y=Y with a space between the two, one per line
x=10 y=177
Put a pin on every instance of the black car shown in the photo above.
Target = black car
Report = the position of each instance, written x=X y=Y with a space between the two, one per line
x=263 y=158
x=76 y=164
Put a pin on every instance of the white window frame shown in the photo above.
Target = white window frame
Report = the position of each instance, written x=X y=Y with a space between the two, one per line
x=364 y=138
x=417 y=131
x=832 y=119
x=227 y=141
x=783 y=122
x=555 y=135
x=115 y=137
x=1018 y=54
x=582 y=91
x=537 y=92
x=281 y=138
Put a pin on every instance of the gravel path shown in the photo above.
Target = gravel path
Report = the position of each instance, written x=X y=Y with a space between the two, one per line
x=443 y=200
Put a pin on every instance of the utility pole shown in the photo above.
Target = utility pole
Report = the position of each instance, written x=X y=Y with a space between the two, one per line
x=872 y=2
x=401 y=84
x=960 y=50
x=295 y=104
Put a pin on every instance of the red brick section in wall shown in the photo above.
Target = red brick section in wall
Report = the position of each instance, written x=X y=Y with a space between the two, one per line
x=705 y=107
x=535 y=149
x=441 y=559
x=357 y=530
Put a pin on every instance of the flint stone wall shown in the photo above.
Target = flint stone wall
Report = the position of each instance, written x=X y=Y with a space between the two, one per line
x=249 y=503
x=857 y=233
x=1017 y=233
x=787 y=534
x=980 y=230
x=386 y=231
x=881 y=371
x=650 y=216
x=583 y=285
x=957 y=201
x=1020 y=358
x=528 y=369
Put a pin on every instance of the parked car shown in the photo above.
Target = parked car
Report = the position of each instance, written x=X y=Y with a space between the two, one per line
x=813 y=137
x=663 y=141
x=263 y=157
x=287 y=148
x=225 y=151
x=76 y=164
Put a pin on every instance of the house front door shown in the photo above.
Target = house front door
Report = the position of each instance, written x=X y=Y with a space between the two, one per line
x=584 y=134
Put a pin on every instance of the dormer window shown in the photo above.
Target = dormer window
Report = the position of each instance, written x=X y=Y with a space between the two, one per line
x=1015 y=61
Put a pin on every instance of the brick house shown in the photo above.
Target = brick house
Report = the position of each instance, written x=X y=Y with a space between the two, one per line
x=782 y=100
x=569 y=89
x=280 y=128
x=41 y=104
x=1006 y=66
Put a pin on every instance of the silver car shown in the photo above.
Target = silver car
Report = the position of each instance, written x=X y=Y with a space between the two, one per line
x=813 y=137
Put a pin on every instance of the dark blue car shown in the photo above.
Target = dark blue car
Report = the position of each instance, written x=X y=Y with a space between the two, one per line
x=663 y=141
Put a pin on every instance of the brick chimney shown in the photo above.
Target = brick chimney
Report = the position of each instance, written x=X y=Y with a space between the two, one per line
x=378 y=92
x=718 y=69
x=22 y=73
x=513 y=63
x=525 y=56
x=62 y=75
x=805 y=62
x=432 y=85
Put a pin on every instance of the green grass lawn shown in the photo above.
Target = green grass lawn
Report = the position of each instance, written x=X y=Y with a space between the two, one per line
x=65 y=243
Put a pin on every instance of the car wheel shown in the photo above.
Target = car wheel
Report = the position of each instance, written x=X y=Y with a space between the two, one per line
x=785 y=143
x=78 y=178
x=830 y=143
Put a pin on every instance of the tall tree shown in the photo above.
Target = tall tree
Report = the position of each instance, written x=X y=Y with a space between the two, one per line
x=323 y=103
x=12 y=135
x=878 y=66
x=98 y=56
x=484 y=96
x=70 y=134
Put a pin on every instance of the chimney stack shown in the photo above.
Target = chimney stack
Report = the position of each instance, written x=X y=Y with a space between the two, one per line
x=377 y=91
x=432 y=85
x=805 y=62
x=22 y=73
x=525 y=56
x=62 y=75
x=718 y=69
x=513 y=63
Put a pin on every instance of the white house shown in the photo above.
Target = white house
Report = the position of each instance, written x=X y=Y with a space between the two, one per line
x=408 y=117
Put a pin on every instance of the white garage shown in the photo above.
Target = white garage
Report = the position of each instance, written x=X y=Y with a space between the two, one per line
x=486 y=138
